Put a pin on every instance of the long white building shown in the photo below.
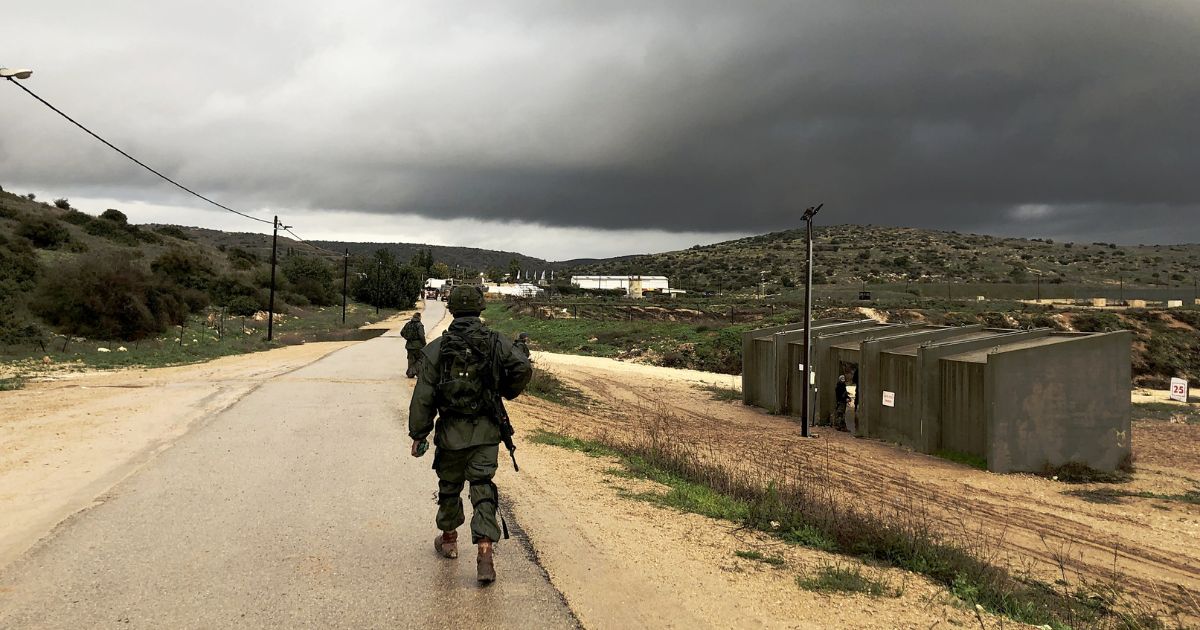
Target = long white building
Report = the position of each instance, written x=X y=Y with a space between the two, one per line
x=633 y=285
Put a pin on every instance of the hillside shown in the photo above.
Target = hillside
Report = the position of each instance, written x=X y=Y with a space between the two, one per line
x=853 y=254
x=466 y=257
x=100 y=277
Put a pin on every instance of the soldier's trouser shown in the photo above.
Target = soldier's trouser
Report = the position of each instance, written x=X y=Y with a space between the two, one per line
x=475 y=466
x=839 y=417
x=414 y=362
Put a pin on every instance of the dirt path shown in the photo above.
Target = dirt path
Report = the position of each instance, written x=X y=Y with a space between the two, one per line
x=1151 y=543
x=65 y=441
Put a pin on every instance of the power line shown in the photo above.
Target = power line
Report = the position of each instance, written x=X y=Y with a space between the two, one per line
x=316 y=248
x=133 y=159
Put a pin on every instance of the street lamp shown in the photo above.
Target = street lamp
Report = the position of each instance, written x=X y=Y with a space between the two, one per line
x=808 y=379
x=15 y=73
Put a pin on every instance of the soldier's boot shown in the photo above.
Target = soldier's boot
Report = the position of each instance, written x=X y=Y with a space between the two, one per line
x=484 y=565
x=446 y=544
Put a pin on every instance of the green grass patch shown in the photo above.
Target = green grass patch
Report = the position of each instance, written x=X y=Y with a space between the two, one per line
x=547 y=386
x=588 y=447
x=11 y=383
x=721 y=393
x=698 y=345
x=845 y=578
x=809 y=536
x=774 y=561
x=966 y=459
x=1165 y=412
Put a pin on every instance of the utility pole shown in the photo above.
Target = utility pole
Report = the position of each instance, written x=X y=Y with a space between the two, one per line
x=345 y=281
x=808 y=380
x=378 y=283
x=271 y=304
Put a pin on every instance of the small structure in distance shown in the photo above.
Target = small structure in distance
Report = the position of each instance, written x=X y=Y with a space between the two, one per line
x=634 y=285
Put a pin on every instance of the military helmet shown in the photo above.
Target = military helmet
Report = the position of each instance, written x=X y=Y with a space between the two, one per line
x=466 y=300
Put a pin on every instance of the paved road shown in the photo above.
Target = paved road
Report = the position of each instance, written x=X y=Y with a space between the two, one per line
x=297 y=507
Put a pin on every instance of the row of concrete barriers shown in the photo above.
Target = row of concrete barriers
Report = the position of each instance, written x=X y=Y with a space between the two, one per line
x=1025 y=400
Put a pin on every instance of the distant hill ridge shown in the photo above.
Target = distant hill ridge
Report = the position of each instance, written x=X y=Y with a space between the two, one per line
x=852 y=254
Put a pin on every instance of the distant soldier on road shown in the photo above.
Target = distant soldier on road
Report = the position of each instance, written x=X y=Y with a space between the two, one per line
x=414 y=336
x=464 y=373
x=522 y=343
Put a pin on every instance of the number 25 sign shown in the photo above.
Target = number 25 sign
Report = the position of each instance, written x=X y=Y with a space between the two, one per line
x=1179 y=390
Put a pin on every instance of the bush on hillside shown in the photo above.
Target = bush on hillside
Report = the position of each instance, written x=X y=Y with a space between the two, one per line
x=243 y=306
x=43 y=232
x=186 y=268
x=114 y=215
x=62 y=203
x=1096 y=322
x=18 y=266
x=311 y=278
x=111 y=297
x=173 y=232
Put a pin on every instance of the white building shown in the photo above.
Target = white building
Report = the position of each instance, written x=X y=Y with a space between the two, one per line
x=525 y=290
x=633 y=286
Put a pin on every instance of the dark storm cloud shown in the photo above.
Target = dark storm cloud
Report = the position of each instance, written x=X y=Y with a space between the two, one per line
x=1072 y=117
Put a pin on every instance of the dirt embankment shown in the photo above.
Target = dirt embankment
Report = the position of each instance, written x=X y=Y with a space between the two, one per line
x=1147 y=543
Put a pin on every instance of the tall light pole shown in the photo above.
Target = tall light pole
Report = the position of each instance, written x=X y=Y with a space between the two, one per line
x=808 y=380
x=15 y=73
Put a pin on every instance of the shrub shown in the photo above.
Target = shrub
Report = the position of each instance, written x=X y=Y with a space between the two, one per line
x=76 y=217
x=111 y=230
x=116 y=216
x=43 y=232
x=18 y=266
x=173 y=232
x=110 y=297
x=62 y=202
x=311 y=278
x=242 y=306
x=185 y=268
x=1096 y=322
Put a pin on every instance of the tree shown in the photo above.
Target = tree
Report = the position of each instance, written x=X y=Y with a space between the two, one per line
x=514 y=270
x=439 y=270
x=62 y=203
x=383 y=282
x=423 y=261
x=312 y=278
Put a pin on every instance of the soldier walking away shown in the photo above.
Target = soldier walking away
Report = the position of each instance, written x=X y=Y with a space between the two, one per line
x=842 y=394
x=463 y=376
x=414 y=335
x=522 y=343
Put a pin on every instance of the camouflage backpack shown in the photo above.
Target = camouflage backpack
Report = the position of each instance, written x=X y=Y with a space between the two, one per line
x=466 y=388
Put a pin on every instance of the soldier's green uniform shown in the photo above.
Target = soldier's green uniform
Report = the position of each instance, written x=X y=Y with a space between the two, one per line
x=466 y=446
x=414 y=340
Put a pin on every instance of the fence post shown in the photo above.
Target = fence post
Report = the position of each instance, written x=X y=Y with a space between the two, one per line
x=181 y=329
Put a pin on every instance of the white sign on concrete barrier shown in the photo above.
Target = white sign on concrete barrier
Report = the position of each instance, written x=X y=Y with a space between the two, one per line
x=1179 y=390
x=889 y=399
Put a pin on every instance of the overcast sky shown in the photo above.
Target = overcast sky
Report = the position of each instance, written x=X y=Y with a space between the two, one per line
x=567 y=129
